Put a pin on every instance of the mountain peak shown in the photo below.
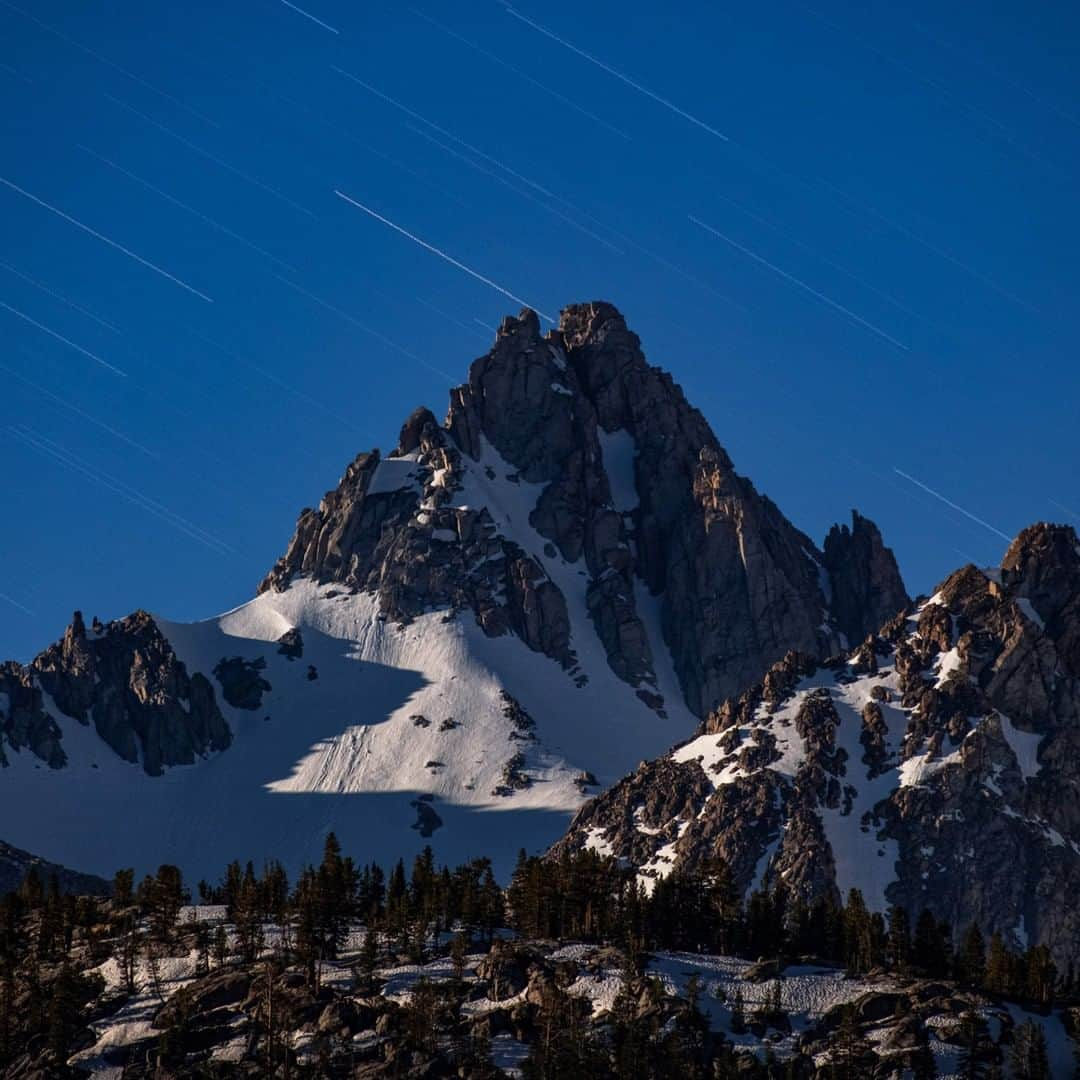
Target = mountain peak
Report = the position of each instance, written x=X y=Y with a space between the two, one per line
x=556 y=582
x=622 y=477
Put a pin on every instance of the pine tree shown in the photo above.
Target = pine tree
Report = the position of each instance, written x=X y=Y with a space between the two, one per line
x=127 y=947
x=996 y=978
x=68 y=994
x=422 y=1017
x=31 y=891
x=369 y=956
x=247 y=917
x=1041 y=975
x=274 y=890
x=858 y=942
x=629 y=1034
x=161 y=897
x=221 y=945
x=691 y=1031
x=1029 y=1058
x=459 y=950
x=926 y=945
x=723 y=906
x=899 y=940
x=973 y=1046
x=564 y=1047
x=971 y=959
x=63 y=1015
x=202 y=948
x=50 y=924
x=123 y=885
x=335 y=888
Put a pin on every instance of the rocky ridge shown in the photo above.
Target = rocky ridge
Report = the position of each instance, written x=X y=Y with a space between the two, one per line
x=16 y=865
x=630 y=482
x=932 y=766
x=572 y=539
x=122 y=677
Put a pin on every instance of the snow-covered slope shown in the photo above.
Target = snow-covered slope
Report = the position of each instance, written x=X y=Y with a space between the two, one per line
x=395 y=715
x=468 y=636
x=345 y=750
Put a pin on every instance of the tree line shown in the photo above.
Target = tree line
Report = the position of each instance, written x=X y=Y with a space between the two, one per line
x=589 y=897
x=424 y=908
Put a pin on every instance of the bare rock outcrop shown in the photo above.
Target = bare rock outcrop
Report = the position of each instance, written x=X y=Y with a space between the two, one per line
x=621 y=476
x=865 y=583
x=933 y=766
x=122 y=677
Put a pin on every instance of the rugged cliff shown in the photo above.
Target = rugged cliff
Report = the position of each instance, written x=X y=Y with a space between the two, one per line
x=935 y=765
x=621 y=474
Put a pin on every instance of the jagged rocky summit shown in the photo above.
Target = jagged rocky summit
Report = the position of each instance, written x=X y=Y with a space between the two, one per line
x=935 y=765
x=619 y=476
x=507 y=610
x=126 y=677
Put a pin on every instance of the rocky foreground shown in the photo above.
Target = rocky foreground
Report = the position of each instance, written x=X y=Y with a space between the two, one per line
x=194 y=1006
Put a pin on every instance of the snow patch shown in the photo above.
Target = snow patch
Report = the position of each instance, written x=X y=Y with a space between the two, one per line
x=394 y=474
x=619 y=450
x=1024 y=745
x=595 y=840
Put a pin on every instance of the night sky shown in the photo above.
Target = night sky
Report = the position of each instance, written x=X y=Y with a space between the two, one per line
x=241 y=242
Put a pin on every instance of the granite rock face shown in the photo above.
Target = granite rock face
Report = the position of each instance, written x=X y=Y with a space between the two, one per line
x=866 y=587
x=625 y=479
x=124 y=679
x=934 y=765
x=24 y=723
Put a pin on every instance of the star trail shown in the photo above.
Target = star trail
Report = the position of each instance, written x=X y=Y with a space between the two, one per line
x=242 y=242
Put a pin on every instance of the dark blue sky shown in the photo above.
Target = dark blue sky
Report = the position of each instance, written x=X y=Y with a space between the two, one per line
x=851 y=234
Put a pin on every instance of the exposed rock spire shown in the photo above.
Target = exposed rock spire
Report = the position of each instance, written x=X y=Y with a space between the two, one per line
x=631 y=481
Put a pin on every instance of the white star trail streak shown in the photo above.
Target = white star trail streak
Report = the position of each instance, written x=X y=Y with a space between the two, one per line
x=521 y=74
x=60 y=337
x=210 y=157
x=450 y=135
x=16 y=604
x=189 y=209
x=517 y=191
x=308 y=15
x=921 y=240
x=617 y=74
x=802 y=285
x=104 y=239
x=79 y=412
x=450 y=318
x=948 y=502
x=59 y=296
x=110 y=63
x=388 y=342
x=443 y=255
x=59 y=454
